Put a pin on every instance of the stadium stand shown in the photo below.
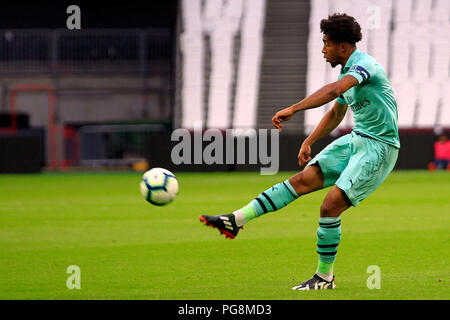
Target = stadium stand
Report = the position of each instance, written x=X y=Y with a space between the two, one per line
x=223 y=64
x=409 y=38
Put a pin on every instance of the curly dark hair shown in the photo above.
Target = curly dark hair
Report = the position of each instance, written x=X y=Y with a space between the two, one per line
x=340 y=27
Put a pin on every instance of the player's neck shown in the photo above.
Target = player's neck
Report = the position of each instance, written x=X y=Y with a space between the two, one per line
x=347 y=56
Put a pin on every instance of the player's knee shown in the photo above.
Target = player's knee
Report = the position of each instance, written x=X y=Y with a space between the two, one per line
x=329 y=209
x=306 y=181
x=299 y=182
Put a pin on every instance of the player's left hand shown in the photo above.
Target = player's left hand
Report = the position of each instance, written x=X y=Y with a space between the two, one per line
x=304 y=155
x=281 y=116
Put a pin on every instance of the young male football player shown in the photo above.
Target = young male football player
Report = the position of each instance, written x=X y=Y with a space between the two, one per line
x=353 y=165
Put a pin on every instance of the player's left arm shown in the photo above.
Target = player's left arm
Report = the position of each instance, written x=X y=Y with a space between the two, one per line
x=320 y=97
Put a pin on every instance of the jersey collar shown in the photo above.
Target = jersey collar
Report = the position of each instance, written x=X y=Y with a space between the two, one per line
x=350 y=60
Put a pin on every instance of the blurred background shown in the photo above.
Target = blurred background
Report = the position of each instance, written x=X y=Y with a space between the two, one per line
x=110 y=94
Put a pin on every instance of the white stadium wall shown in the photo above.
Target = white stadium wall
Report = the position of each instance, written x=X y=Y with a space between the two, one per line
x=220 y=81
x=239 y=61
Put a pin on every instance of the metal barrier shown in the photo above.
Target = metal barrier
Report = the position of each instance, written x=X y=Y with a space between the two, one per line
x=111 y=145
x=83 y=51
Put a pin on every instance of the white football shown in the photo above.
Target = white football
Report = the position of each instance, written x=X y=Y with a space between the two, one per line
x=159 y=186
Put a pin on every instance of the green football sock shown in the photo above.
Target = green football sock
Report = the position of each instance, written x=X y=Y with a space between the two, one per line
x=325 y=268
x=328 y=238
x=272 y=199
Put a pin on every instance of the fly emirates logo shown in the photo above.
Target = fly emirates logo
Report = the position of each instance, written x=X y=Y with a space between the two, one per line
x=359 y=104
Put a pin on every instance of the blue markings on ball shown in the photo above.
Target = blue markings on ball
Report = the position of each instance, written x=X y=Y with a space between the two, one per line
x=157 y=188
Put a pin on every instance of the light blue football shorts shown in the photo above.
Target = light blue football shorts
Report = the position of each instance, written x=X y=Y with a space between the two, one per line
x=356 y=164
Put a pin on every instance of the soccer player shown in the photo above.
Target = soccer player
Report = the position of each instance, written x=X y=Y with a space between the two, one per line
x=353 y=165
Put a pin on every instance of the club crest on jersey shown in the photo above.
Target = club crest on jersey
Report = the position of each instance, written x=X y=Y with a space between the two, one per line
x=349 y=100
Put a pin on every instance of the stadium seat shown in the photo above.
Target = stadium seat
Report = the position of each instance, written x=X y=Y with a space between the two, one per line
x=427 y=104
x=378 y=40
x=440 y=12
x=399 y=63
x=191 y=44
x=439 y=64
x=402 y=11
x=246 y=100
x=421 y=11
x=404 y=93
x=444 y=115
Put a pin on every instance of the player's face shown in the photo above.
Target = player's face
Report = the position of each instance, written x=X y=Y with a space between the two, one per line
x=330 y=51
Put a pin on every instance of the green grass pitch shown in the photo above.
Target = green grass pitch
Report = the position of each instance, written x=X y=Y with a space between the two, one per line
x=129 y=249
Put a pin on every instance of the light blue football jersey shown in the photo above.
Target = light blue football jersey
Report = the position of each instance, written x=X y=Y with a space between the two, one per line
x=372 y=101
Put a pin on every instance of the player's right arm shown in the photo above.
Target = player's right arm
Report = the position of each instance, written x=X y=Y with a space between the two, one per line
x=322 y=96
x=328 y=123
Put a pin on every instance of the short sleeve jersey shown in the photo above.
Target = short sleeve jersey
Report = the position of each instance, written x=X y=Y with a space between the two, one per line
x=372 y=101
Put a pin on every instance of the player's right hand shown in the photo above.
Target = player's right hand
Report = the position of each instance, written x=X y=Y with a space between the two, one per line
x=283 y=115
x=304 y=155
